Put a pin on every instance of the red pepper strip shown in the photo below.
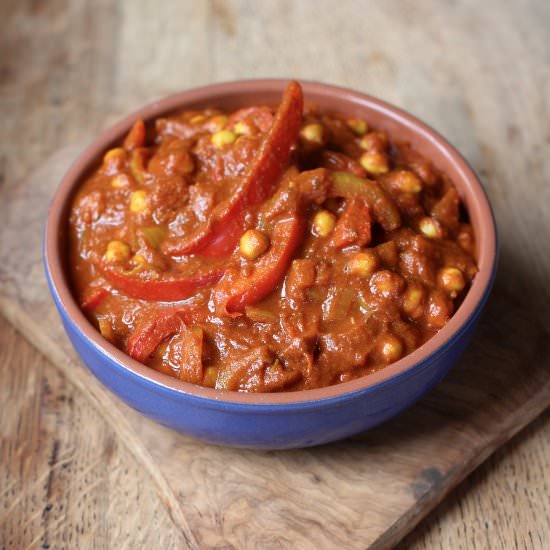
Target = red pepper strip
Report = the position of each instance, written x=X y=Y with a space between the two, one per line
x=149 y=334
x=136 y=136
x=340 y=162
x=353 y=226
x=170 y=289
x=218 y=236
x=235 y=291
x=92 y=298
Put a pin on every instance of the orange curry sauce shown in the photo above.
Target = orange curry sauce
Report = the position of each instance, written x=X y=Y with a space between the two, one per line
x=268 y=249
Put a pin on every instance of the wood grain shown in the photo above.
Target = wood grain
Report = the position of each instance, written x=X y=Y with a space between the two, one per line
x=503 y=504
x=66 y=480
x=478 y=72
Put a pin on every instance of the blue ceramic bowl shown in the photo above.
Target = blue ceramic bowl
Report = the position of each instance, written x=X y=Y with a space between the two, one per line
x=291 y=419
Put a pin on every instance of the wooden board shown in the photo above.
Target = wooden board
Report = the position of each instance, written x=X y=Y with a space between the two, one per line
x=367 y=491
x=477 y=71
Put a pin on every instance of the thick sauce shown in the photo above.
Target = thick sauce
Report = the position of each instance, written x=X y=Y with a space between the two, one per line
x=268 y=249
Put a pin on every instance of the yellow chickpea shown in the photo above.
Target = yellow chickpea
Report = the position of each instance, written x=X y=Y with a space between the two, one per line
x=363 y=264
x=386 y=284
x=253 y=244
x=323 y=223
x=413 y=300
x=116 y=153
x=375 y=162
x=439 y=309
x=452 y=280
x=374 y=141
x=114 y=159
x=391 y=348
x=406 y=181
x=313 y=133
x=431 y=228
x=222 y=138
x=242 y=128
x=138 y=201
x=117 y=251
x=358 y=126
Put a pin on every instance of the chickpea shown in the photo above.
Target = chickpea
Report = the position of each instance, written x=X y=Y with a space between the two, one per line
x=363 y=263
x=313 y=133
x=386 y=284
x=374 y=141
x=116 y=153
x=413 y=300
x=440 y=309
x=175 y=161
x=138 y=201
x=120 y=181
x=182 y=163
x=431 y=228
x=117 y=251
x=423 y=170
x=452 y=280
x=223 y=137
x=406 y=181
x=242 y=129
x=391 y=348
x=114 y=159
x=358 y=126
x=253 y=244
x=375 y=162
x=323 y=223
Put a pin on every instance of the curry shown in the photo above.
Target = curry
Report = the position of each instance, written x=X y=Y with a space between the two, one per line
x=266 y=249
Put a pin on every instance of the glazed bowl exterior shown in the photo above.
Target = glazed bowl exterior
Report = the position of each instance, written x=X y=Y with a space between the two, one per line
x=289 y=419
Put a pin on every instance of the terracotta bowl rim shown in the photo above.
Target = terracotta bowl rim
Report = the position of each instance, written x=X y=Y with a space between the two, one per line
x=461 y=320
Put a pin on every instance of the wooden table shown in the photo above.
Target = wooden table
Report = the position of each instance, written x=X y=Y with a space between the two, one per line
x=478 y=72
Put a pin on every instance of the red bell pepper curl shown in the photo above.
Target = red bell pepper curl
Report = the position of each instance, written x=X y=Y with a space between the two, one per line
x=219 y=235
x=353 y=226
x=235 y=291
x=135 y=137
x=92 y=298
x=147 y=336
x=163 y=289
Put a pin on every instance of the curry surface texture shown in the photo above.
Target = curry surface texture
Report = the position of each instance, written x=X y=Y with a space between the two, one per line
x=268 y=249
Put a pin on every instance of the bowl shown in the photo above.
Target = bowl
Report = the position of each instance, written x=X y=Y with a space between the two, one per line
x=291 y=419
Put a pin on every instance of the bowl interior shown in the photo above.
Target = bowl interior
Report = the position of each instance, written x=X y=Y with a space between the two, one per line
x=397 y=123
